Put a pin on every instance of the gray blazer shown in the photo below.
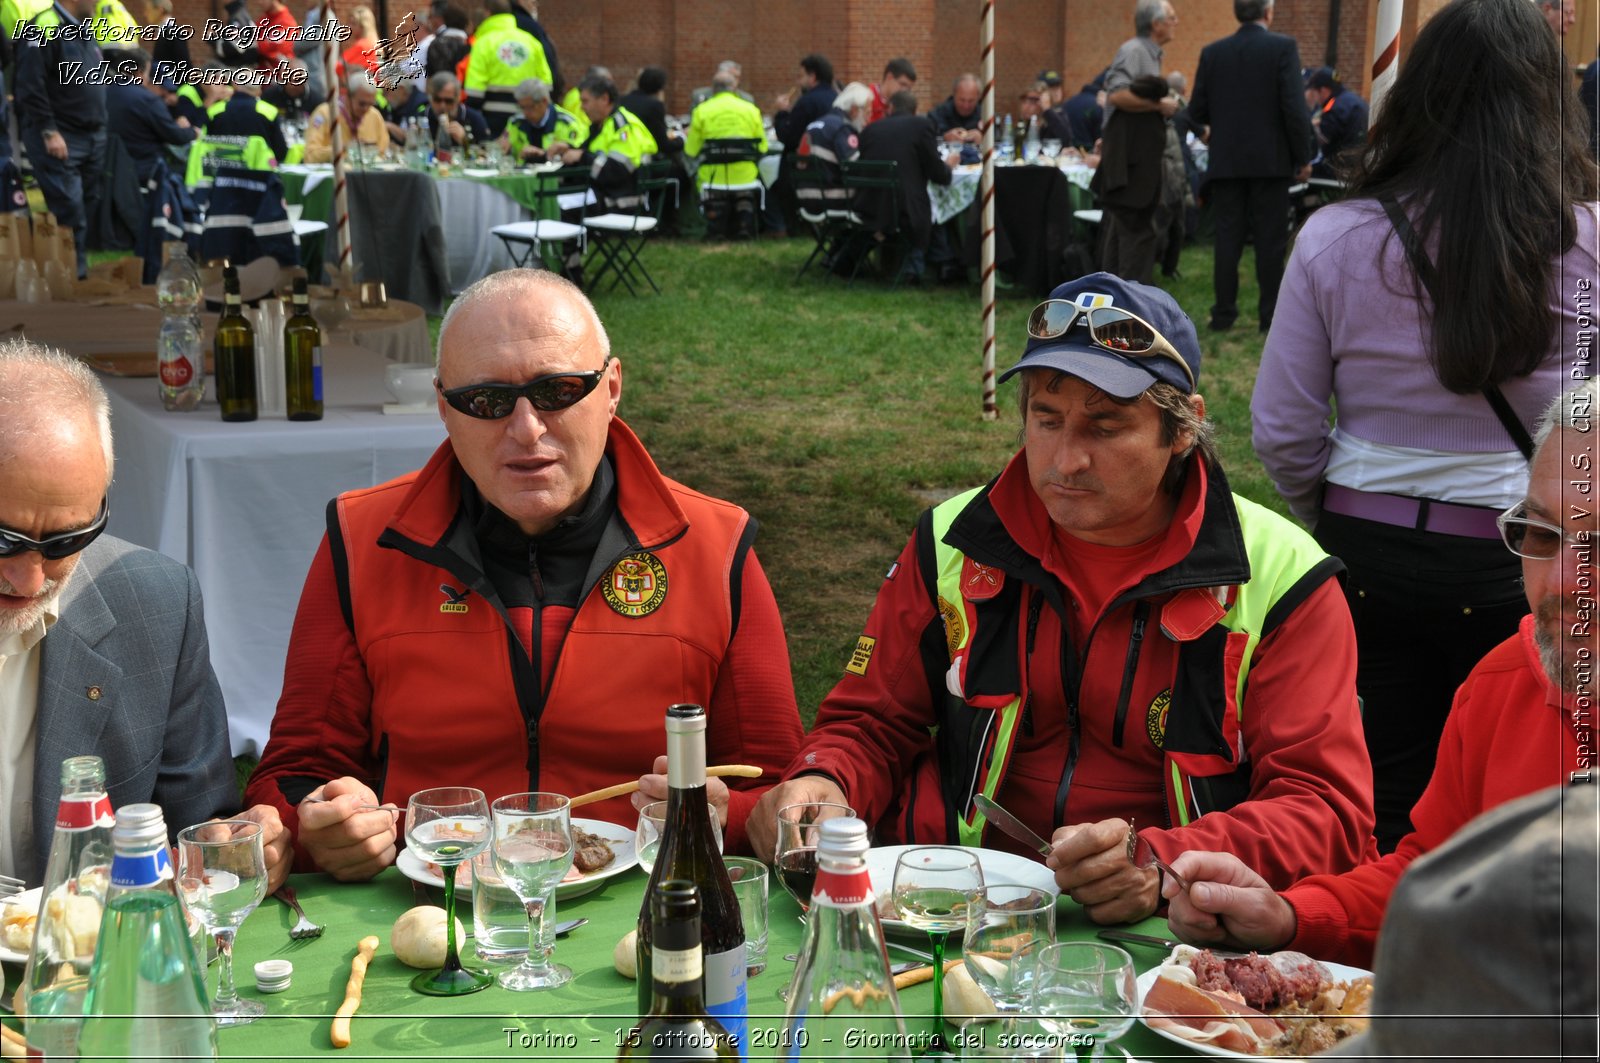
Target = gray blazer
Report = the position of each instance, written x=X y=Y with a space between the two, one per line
x=125 y=673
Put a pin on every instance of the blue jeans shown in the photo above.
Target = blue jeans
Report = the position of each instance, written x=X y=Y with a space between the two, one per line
x=71 y=187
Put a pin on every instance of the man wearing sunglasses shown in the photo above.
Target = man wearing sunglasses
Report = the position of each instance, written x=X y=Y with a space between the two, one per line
x=1104 y=635
x=102 y=643
x=1523 y=720
x=518 y=614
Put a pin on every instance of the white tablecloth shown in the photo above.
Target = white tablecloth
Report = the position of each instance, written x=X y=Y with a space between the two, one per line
x=469 y=210
x=243 y=505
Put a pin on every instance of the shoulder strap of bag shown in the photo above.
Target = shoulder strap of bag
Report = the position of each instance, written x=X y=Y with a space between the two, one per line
x=1425 y=273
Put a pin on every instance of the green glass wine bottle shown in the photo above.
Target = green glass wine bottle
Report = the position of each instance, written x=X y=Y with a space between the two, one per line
x=302 y=357
x=234 y=351
x=677 y=1026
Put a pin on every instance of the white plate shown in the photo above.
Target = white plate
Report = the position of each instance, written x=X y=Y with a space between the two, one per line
x=415 y=868
x=27 y=899
x=997 y=867
x=1337 y=971
x=479 y=171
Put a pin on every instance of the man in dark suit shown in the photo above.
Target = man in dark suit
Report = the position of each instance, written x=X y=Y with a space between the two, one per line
x=104 y=642
x=135 y=111
x=906 y=139
x=1248 y=90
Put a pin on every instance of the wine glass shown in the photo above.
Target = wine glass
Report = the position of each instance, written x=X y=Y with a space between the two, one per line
x=933 y=889
x=449 y=825
x=1005 y=932
x=222 y=876
x=1088 y=991
x=1050 y=147
x=532 y=852
x=794 y=857
x=647 y=839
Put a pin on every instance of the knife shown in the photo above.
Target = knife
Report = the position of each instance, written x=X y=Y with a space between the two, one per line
x=1011 y=825
x=1139 y=939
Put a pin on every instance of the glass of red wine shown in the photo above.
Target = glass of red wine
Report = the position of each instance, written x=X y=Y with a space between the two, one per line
x=794 y=857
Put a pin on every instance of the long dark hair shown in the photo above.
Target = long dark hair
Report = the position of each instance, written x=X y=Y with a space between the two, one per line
x=1484 y=135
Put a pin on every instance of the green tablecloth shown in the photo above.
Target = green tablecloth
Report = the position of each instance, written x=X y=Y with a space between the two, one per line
x=595 y=1009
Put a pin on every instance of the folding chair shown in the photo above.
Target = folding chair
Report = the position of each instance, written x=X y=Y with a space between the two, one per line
x=716 y=156
x=824 y=204
x=616 y=238
x=557 y=190
x=874 y=219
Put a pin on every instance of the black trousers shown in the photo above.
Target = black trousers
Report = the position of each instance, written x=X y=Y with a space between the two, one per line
x=1259 y=206
x=1427 y=607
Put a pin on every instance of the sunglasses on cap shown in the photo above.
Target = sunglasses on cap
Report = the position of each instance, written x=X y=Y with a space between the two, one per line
x=1110 y=328
x=1532 y=538
x=60 y=545
x=548 y=394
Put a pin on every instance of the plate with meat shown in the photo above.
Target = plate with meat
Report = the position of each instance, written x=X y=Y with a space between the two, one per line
x=600 y=850
x=1242 y=1007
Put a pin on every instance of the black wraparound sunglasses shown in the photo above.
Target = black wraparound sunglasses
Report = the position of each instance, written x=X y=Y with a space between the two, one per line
x=548 y=394
x=60 y=545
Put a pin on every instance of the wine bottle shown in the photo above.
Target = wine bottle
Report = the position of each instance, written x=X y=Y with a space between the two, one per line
x=689 y=852
x=841 y=987
x=71 y=899
x=676 y=1027
x=234 y=351
x=146 y=999
x=302 y=358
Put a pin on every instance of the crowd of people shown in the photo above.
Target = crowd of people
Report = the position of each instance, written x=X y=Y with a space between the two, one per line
x=1104 y=638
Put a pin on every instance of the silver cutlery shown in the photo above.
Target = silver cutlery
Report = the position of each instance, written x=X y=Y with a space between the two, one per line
x=1141 y=856
x=305 y=928
x=568 y=926
x=1139 y=939
x=10 y=887
x=1011 y=825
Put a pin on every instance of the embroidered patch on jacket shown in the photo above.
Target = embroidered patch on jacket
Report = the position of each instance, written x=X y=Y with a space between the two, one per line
x=637 y=585
x=979 y=583
x=456 y=601
x=1155 y=718
x=861 y=655
x=955 y=628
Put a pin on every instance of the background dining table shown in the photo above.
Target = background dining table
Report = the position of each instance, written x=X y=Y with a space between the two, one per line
x=582 y=1020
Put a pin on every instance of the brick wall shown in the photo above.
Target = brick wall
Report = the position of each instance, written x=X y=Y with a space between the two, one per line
x=940 y=37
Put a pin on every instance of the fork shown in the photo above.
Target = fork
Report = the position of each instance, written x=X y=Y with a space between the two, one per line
x=305 y=928
x=1143 y=857
x=10 y=887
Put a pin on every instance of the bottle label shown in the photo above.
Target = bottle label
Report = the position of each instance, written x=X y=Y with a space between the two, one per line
x=842 y=889
x=85 y=812
x=139 y=870
x=176 y=372
x=676 y=967
x=726 y=999
x=316 y=374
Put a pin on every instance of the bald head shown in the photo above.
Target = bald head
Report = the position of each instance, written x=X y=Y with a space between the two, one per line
x=52 y=406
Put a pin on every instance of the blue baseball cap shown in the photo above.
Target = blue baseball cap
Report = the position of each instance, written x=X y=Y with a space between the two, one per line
x=1120 y=375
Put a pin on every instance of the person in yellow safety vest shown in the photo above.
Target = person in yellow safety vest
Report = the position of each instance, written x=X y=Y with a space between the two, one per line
x=15 y=12
x=569 y=100
x=617 y=145
x=541 y=124
x=246 y=114
x=731 y=209
x=502 y=57
x=114 y=25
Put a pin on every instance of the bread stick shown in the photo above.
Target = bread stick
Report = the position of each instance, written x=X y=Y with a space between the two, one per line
x=340 y=1034
x=918 y=975
x=716 y=771
x=12 y=1045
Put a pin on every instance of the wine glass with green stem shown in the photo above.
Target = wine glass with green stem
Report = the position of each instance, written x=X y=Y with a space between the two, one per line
x=449 y=825
x=934 y=888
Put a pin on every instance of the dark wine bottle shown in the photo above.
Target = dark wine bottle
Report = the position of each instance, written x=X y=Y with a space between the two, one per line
x=689 y=852
x=677 y=1026
x=302 y=359
x=234 y=351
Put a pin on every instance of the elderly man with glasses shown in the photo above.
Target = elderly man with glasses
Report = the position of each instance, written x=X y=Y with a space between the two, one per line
x=461 y=122
x=102 y=643
x=1523 y=720
x=1104 y=640
x=518 y=614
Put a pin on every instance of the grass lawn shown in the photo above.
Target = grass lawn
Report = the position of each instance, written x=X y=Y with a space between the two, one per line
x=835 y=415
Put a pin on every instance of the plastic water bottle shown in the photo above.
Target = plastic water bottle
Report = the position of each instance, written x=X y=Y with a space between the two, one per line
x=1006 y=146
x=1030 y=146
x=181 y=374
x=57 y=976
x=842 y=987
x=146 y=999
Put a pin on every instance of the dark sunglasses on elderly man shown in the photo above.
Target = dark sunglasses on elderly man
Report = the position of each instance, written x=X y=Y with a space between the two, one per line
x=548 y=394
x=60 y=545
x=1538 y=540
x=1110 y=327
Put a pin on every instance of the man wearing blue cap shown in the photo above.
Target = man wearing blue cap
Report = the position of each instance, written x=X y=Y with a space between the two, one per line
x=1105 y=640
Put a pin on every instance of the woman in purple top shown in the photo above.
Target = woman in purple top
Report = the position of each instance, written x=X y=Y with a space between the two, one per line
x=1480 y=151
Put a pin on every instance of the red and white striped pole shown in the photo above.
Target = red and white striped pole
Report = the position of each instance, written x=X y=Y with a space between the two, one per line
x=986 y=190
x=341 y=206
x=1385 y=52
